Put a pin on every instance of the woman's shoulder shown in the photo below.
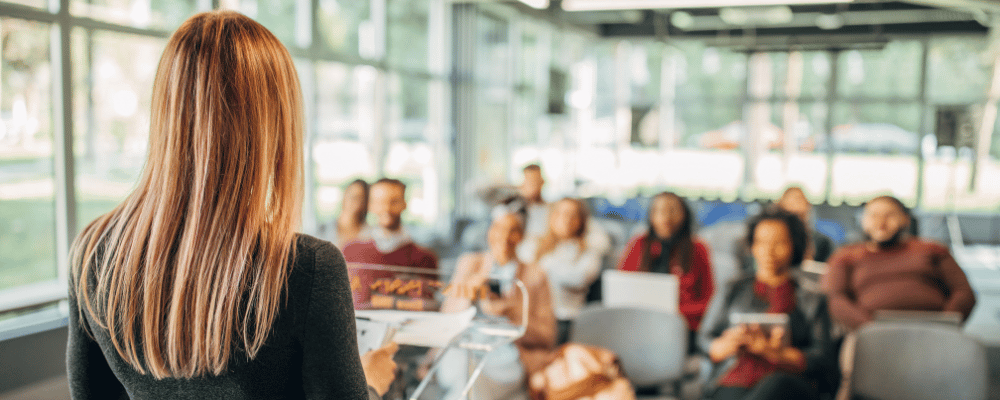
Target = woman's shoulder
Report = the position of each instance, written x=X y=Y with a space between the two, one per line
x=314 y=255
x=699 y=246
x=743 y=281
x=849 y=252
x=306 y=245
x=637 y=239
x=929 y=246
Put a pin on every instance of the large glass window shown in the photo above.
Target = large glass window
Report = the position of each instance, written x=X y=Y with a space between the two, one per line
x=877 y=123
x=154 y=14
x=956 y=74
x=875 y=137
x=110 y=145
x=958 y=80
x=32 y=3
x=410 y=154
x=408 y=33
x=345 y=26
x=374 y=106
x=281 y=18
x=27 y=215
x=345 y=132
x=893 y=71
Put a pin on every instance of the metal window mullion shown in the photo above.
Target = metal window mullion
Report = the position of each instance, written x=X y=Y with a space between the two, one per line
x=437 y=112
x=63 y=157
x=310 y=96
x=515 y=127
x=28 y=13
x=63 y=17
x=112 y=27
x=924 y=120
x=832 y=99
x=379 y=13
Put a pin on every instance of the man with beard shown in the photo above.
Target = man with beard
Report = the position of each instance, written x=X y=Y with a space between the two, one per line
x=892 y=270
x=390 y=244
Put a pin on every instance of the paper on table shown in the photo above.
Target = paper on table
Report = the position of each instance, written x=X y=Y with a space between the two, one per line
x=373 y=335
x=423 y=328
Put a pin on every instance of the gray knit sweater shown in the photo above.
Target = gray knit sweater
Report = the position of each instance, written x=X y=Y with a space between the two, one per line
x=311 y=352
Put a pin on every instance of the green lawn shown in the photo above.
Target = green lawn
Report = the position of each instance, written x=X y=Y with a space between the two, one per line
x=27 y=242
x=27 y=238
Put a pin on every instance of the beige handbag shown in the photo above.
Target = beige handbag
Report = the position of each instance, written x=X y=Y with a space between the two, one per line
x=581 y=372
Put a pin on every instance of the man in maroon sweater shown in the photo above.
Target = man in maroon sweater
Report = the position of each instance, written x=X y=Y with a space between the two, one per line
x=893 y=271
x=390 y=244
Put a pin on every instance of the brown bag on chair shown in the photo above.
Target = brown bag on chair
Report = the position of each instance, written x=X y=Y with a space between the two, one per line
x=580 y=372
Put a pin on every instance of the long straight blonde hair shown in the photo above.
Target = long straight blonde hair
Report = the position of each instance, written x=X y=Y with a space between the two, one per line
x=193 y=263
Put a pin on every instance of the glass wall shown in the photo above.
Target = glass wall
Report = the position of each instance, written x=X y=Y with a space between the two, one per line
x=114 y=94
x=845 y=125
x=374 y=84
x=27 y=186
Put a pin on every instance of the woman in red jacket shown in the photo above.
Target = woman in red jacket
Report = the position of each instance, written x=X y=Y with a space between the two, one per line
x=669 y=247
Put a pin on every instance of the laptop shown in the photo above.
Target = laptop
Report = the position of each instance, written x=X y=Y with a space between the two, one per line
x=649 y=290
x=923 y=317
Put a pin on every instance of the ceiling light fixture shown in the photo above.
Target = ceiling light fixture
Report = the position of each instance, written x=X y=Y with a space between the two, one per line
x=595 y=5
x=682 y=20
x=829 y=22
x=539 y=4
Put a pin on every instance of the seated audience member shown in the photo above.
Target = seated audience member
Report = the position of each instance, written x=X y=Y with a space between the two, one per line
x=350 y=225
x=669 y=247
x=794 y=201
x=507 y=368
x=538 y=209
x=570 y=253
x=784 y=361
x=891 y=270
x=389 y=243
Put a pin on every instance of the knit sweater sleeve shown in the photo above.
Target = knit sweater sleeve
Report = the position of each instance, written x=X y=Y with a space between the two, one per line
x=837 y=285
x=90 y=376
x=331 y=365
x=631 y=256
x=961 y=298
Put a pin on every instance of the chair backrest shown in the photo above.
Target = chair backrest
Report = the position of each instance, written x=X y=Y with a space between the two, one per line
x=650 y=344
x=918 y=361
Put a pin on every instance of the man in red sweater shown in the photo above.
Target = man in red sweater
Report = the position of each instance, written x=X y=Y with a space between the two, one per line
x=893 y=271
x=390 y=243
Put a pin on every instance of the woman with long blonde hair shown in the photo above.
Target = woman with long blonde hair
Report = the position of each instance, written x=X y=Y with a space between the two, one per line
x=571 y=253
x=197 y=285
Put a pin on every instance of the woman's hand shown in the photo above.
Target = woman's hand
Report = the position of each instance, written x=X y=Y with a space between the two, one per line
x=777 y=350
x=729 y=343
x=474 y=289
x=758 y=341
x=493 y=304
x=471 y=289
x=380 y=369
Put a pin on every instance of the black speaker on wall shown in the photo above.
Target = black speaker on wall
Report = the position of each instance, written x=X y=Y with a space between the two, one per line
x=954 y=126
x=558 y=86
